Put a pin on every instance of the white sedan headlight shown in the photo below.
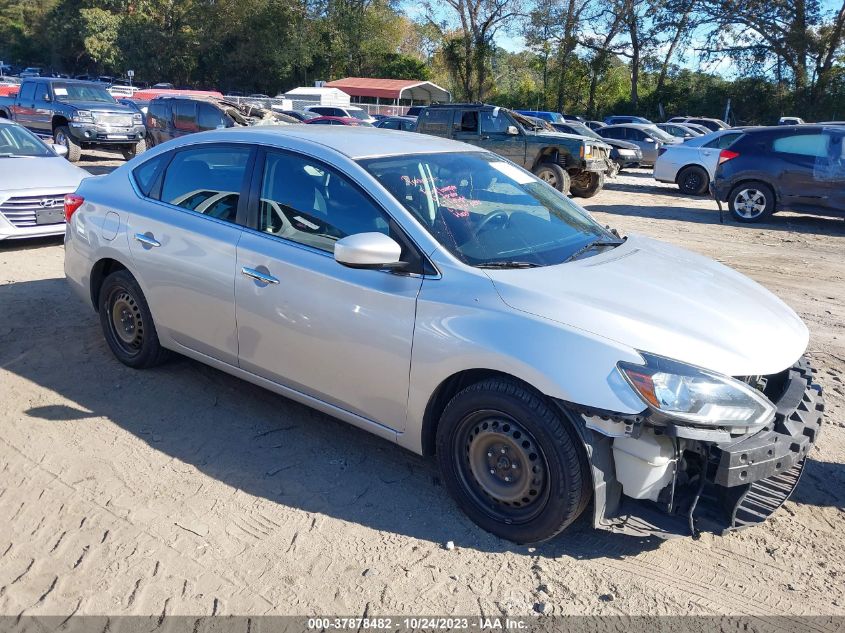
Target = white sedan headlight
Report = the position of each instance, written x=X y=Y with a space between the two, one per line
x=696 y=396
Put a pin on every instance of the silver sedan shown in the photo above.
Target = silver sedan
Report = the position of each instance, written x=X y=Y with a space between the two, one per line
x=443 y=298
x=34 y=179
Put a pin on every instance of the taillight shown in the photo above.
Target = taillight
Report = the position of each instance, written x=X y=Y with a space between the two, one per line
x=727 y=155
x=72 y=203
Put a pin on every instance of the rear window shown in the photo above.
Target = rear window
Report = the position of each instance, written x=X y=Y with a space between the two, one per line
x=434 y=121
x=802 y=144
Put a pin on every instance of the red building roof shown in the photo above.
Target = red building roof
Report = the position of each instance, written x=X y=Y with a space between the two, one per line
x=391 y=89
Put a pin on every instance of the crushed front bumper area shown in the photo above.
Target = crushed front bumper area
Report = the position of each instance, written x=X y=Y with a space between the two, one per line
x=720 y=486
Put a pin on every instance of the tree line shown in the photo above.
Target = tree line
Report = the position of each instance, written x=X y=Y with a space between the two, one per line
x=651 y=57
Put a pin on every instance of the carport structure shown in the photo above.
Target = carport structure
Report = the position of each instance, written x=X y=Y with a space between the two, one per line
x=391 y=91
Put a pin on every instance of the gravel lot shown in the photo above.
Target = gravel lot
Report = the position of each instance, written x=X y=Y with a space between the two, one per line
x=181 y=490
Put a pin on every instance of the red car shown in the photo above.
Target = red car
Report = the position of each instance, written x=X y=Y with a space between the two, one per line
x=337 y=120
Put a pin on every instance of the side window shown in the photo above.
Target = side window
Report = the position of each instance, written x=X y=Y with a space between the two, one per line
x=40 y=92
x=207 y=180
x=321 y=110
x=723 y=142
x=467 y=122
x=435 y=121
x=211 y=118
x=491 y=124
x=158 y=114
x=27 y=92
x=185 y=116
x=308 y=203
x=147 y=173
x=391 y=125
x=814 y=145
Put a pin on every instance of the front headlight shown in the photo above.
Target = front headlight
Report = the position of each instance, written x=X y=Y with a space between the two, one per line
x=696 y=396
x=588 y=151
x=83 y=116
x=137 y=119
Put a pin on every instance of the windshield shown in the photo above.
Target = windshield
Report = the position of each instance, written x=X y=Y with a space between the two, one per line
x=359 y=114
x=81 y=92
x=16 y=141
x=486 y=211
x=656 y=132
x=583 y=130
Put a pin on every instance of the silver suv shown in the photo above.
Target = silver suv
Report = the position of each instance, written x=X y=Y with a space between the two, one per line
x=437 y=295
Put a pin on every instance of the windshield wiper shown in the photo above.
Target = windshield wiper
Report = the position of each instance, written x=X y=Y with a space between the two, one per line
x=591 y=246
x=508 y=264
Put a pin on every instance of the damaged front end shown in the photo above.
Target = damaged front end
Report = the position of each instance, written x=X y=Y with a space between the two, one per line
x=654 y=476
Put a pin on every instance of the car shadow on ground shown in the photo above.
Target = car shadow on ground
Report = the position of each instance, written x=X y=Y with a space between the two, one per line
x=800 y=223
x=33 y=243
x=258 y=442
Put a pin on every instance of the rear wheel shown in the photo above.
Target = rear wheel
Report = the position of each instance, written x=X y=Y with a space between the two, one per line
x=61 y=135
x=512 y=461
x=127 y=322
x=554 y=175
x=751 y=202
x=693 y=180
x=586 y=184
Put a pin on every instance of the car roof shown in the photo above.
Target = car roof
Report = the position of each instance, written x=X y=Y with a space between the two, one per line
x=354 y=142
x=635 y=125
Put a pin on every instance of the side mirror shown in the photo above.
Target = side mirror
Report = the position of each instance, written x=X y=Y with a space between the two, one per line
x=368 y=250
x=512 y=130
x=47 y=98
x=648 y=139
x=61 y=150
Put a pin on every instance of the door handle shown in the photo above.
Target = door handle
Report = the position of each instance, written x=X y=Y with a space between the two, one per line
x=147 y=240
x=266 y=278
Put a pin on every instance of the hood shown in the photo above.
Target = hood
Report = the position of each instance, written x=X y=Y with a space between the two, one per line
x=53 y=173
x=99 y=106
x=549 y=136
x=660 y=299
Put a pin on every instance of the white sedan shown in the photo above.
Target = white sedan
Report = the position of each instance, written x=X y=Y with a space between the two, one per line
x=691 y=165
x=34 y=179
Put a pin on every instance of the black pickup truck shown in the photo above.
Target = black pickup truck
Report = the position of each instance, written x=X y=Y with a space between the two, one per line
x=568 y=162
x=77 y=114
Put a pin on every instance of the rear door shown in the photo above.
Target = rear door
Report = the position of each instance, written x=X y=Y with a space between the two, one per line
x=709 y=152
x=183 y=237
x=829 y=173
x=338 y=334
x=801 y=155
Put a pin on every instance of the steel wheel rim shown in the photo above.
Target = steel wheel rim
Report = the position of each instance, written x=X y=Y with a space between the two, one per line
x=750 y=203
x=125 y=321
x=692 y=181
x=502 y=467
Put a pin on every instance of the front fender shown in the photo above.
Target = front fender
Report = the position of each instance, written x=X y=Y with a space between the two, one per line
x=460 y=328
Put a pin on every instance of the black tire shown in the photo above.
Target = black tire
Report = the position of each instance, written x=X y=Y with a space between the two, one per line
x=554 y=175
x=133 y=340
x=693 y=180
x=586 y=184
x=62 y=136
x=751 y=201
x=132 y=151
x=492 y=429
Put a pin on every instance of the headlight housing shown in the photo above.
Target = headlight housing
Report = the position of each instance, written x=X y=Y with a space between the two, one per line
x=694 y=396
x=137 y=119
x=83 y=116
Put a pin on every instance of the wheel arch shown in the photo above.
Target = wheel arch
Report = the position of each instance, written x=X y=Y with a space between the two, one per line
x=549 y=154
x=687 y=166
x=102 y=269
x=58 y=120
x=748 y=179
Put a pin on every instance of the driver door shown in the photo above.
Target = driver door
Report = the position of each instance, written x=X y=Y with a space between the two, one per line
x=495 y=137
x=338 y=334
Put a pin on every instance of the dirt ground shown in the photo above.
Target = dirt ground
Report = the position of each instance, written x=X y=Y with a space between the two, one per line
x=181 y=490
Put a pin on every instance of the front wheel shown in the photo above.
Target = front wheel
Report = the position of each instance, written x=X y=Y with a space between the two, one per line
x=554 y=175
x=127 y=322
x=751 y=202
x=131 y=151
x=586 y=184
x=512 y=462
x=62 y=136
